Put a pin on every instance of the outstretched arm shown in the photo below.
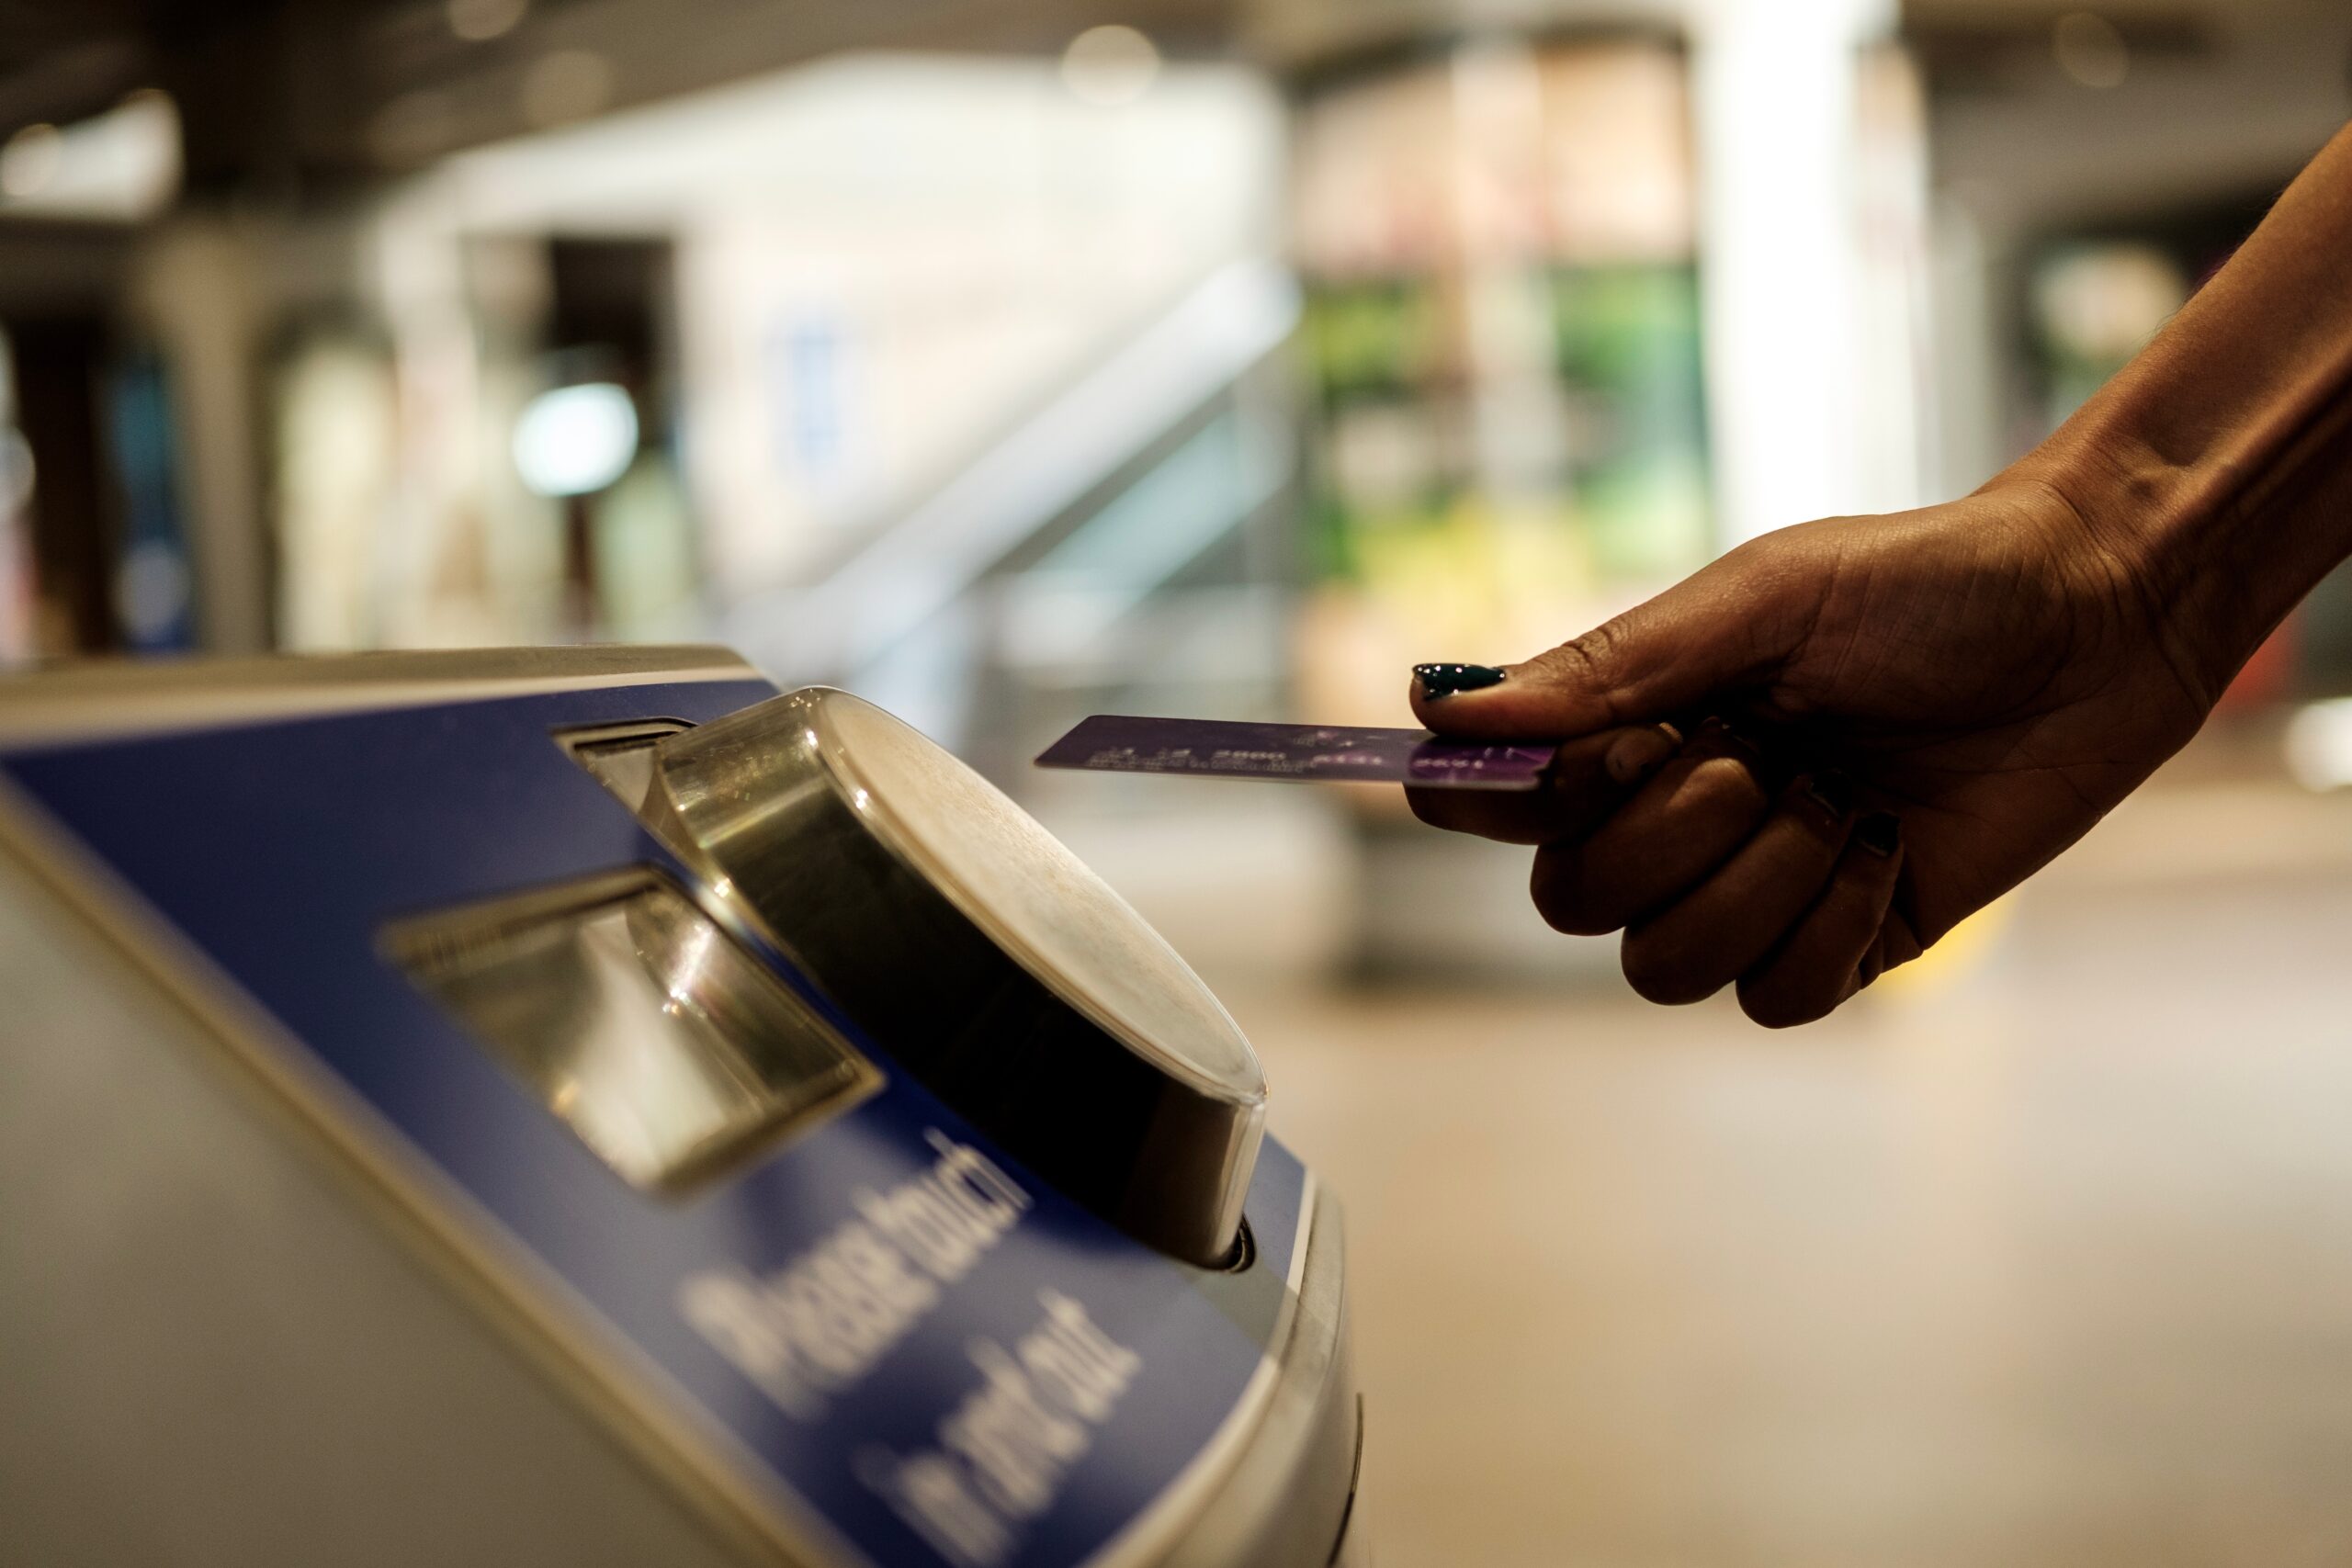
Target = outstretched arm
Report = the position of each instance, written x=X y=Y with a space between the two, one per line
x=1971 y=686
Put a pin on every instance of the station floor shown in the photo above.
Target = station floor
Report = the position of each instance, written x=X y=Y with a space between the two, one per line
x=2043 y=1258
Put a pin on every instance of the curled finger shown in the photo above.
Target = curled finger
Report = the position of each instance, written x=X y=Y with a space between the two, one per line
x=1726 y=925
x=1687 y=819
x=1836 y=949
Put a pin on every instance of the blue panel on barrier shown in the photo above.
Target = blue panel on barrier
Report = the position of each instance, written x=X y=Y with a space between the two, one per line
x=1013 y=1390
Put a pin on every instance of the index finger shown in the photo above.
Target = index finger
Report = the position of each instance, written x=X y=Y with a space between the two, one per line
x=1587 y=779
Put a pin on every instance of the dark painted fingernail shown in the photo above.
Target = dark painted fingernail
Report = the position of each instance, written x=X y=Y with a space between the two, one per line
x=1444 y=680
x=1833 y=791
x=1881 y=832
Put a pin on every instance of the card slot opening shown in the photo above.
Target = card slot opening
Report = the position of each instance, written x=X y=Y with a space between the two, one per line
x=669 y=1050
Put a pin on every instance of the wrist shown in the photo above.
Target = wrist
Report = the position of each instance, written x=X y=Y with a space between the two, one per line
x=2215 y=470
x=2220 y=538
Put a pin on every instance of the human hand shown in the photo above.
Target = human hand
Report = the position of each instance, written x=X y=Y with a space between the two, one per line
x=1970 y=688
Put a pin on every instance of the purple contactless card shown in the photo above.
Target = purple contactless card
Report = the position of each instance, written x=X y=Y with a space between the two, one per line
x=1211 y=748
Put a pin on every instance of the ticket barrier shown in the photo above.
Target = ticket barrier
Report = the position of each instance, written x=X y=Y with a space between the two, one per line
x=585 y=1106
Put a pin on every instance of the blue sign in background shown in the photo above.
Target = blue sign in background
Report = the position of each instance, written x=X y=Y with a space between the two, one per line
x=282 y=850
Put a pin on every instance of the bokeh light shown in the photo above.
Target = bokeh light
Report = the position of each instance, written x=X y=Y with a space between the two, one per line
x=2091 y=50
x=477 y=21
x=1110 y=66
x=575 y=440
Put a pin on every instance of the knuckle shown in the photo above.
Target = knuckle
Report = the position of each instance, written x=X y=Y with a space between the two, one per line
x=1583 y=661
x=1722 y=785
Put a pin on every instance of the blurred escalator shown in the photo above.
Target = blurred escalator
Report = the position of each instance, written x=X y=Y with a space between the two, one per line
x=1129 y=546
x=1121 y=546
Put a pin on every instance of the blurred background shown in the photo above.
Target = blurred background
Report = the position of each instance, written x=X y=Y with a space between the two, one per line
x=1008 y=361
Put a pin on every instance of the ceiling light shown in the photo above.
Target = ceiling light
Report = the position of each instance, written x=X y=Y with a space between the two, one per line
x=478 y=20
x=29 y=161
x=2319 y=745
x=575 y=440
x=2091 y=50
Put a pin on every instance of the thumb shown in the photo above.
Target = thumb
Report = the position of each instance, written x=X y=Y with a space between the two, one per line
x=1718 y=633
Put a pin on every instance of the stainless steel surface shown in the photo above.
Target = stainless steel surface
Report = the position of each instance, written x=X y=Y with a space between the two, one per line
x=221 y=1352
x=981 y=954
x=1293 y=1492
x=114 y=696
x=621 y=757
x=670 y=1051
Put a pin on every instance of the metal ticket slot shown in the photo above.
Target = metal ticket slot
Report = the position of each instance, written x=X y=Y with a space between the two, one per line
x=585 y=1106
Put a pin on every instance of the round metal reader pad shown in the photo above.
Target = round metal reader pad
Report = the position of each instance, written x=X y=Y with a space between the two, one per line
x=980 y=953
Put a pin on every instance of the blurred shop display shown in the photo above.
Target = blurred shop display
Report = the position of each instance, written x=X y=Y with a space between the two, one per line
x=483 y=453
x=1584 y=309
x=94 y=550
x=19 y=607
x=94 y=547
x=2095 y=306
x=154 y=604
x=332 y=440
x=1503 y=330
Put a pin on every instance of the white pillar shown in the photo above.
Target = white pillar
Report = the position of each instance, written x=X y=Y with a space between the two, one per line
x=1782 y=254
x=198 y=290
